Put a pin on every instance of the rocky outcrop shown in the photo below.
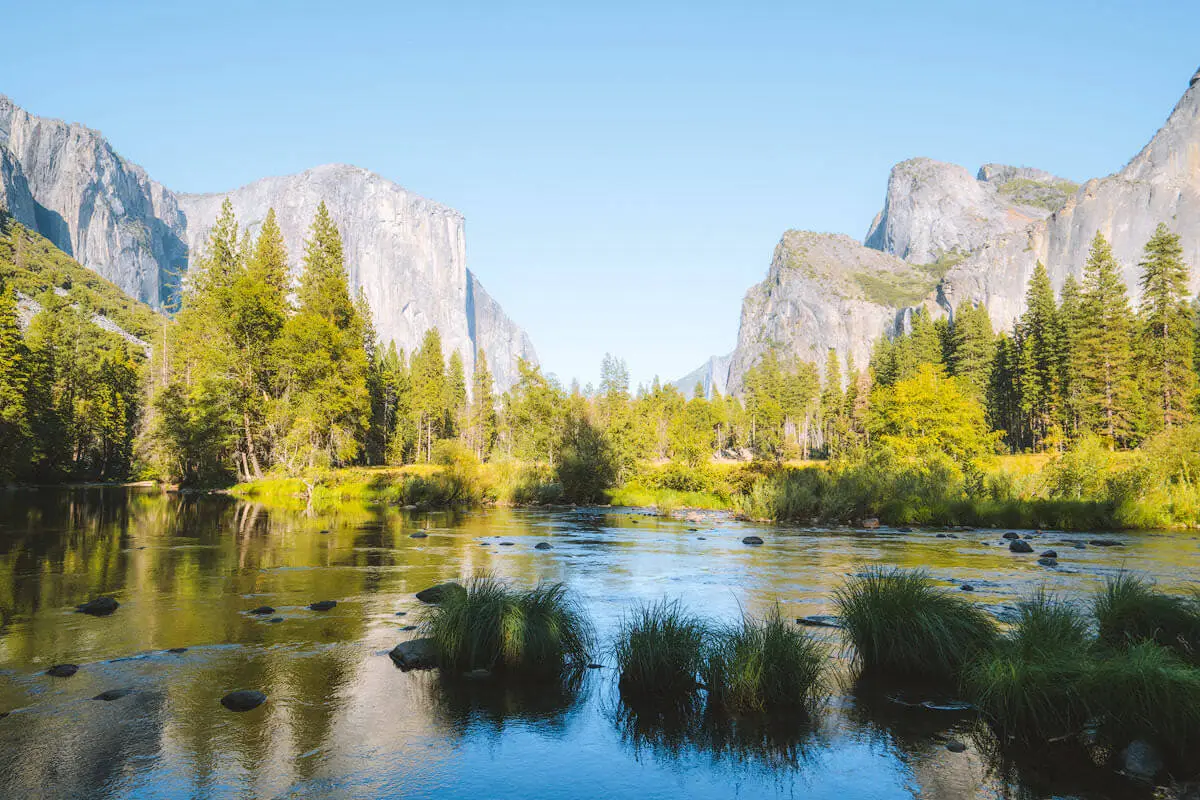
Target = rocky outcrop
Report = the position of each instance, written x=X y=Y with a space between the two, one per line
x=407 y=253
x=825 y=291
x=934 y=211
x=712 y=376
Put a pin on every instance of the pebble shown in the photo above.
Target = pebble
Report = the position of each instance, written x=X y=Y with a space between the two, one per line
x=752 y=540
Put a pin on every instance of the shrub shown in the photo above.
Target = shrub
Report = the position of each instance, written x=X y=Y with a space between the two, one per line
x=660 y=650
x=1128 y=610
x=764 y=664
x=540 y=632
x=899 y=621
x=1145 y=691
x=1031 y=688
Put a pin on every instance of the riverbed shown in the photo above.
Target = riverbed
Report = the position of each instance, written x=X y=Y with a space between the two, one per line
x=341 y=721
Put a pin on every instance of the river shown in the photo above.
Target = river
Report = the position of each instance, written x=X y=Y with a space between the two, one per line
x=341 y=721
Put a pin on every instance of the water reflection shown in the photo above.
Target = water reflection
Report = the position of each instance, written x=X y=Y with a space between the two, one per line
x=342 y=721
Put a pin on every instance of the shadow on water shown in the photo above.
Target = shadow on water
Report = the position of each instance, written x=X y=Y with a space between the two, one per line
x=467 y=705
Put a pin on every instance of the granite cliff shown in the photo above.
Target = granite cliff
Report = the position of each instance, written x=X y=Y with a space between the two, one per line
x=407 y=253
x=946 y=237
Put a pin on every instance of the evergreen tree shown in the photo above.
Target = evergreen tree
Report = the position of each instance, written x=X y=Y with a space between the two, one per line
x=14 y=379
x=456 y=396
x=1104 y=358
x=1039 y=361
x=971 y=349
x=1167 y=342
x=429 y=393
x=483 y=408
x=833 y=405
x=1003 y=396
x=1070 y=314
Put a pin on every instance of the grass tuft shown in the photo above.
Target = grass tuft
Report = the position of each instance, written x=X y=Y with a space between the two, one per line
x=1032 y=688
x=765 y=664
x=540 y=632
x=900 y=622
x=660 y=650
x=1129 y=610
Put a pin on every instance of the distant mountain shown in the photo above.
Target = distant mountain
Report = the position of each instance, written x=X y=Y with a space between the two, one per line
x=408 y=254
x=945 y=237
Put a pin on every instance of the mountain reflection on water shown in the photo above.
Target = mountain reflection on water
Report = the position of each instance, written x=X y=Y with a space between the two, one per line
x=342 y=722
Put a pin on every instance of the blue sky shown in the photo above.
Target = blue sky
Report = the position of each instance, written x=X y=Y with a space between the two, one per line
x=625 y=169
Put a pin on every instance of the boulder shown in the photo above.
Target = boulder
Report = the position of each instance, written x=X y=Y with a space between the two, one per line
x=955 y=746
x=275 y=619
x=322 y=605
x=1020 y=546
x=1011 y=535
x=414 y=654
x=1050 y=554
x=543 y=546
x=98 y=607
x=113 y=694
x=752 y=540
x=966 y=587
x=1104 y=543
x=62 y=670
x=1141 y=760
x=176 y=650
x=436 y=594
x=1048 y=562
x=262 y=611
x=418 y=535
x=243 y=700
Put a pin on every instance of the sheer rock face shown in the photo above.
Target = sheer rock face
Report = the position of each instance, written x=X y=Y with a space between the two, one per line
x=933 y=209
x=825 y=291
x=1160 y=184
x=712 y=375
x=979 y=239
x=407 y=253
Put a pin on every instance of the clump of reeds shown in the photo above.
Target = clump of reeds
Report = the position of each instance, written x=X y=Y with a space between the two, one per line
x=660 y=650
x=1129 y=610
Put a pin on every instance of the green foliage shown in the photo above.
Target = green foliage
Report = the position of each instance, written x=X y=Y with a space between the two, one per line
x=766 y=664
x=1129 y=610
x=901 y=623
x=586 y=464
x=15 y=434
x=1043 y=194
x=660 y=651
x=540 y=633
x=895 y=289
x=1145 y=691
x=1167 y=337
x=972 y=349
x=1039 y=364
x=1033 y=687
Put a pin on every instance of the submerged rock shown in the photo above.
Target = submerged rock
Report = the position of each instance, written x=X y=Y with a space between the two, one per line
x=243 y=700
x=275 y=619
x=322 y=605
x=1105 y=543
x=98 y=607
x=176 y=650
x=62 y=670
x=819 y=621
x=436 y=594
x=114 y=694
x=262 y=611
x=1050 y=554
x=1011 y=535
x=1020 y=546
x=1140 y=759
x=966 y=587
x=414 y=654
x=543 y=546
x=1048 y=562
x=418 y=535
x=752 y=540
x=955 y=746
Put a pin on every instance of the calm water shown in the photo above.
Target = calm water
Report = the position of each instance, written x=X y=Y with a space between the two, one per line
x=343 y=722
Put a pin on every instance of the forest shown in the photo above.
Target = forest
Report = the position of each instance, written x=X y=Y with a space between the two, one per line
x=256 y=376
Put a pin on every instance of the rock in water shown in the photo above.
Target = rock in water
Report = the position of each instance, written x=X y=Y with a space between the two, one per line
x=1010 y=535
x=62 y=670
x=966 y=587
x=1048 y=562
x=543 y=546
x=1141 y=760
x=820 y=621
x=418 y=535
x=1104 y=543
x=262 y=611
x=414 y=654
x=98 y=607
x=322 y=605
x=177 y=650
x=113 y=694
x=752 y=540
x=1020 y=546
x=1050 y=554
x=870 y=523
x=243 y=700
x=955 y=746
x=436 y=594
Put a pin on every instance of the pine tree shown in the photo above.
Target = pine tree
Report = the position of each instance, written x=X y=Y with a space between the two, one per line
x=1039 y=360
x=1003 y=397
x=1070 y=314
x=1167 y=343
x=429 y=393
x=14 y=380
x=833 y=405
x=1105 y=359
x=456 y=395
x=971 y=349
x=483 y=408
